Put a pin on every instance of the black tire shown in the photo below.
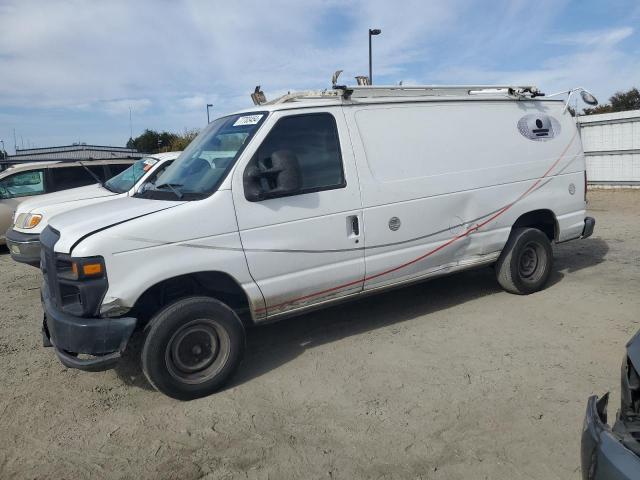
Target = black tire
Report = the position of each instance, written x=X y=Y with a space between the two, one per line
x=191 y=347
x=526 y=261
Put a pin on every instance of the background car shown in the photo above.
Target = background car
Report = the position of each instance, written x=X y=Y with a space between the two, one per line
x=33 y=215
x=21 y=182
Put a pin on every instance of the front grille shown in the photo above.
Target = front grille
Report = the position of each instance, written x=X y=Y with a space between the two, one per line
x=76 y=296
x=48 y=238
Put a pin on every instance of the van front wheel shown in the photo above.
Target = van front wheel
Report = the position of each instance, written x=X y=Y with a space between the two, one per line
x=191 y=347
x=526 y=261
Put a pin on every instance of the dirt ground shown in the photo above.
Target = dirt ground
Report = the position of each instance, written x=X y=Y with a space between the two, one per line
x=449 y=379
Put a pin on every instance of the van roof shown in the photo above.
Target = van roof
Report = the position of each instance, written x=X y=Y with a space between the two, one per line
x=358 y=95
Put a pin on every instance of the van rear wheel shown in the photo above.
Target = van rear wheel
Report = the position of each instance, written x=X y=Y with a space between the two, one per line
x=526 y=261
x=191 y=347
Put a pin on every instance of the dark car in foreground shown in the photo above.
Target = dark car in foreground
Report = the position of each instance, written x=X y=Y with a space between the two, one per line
x=613 y=453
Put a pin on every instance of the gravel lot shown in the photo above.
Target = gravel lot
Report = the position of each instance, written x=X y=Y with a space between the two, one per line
x=450 y=379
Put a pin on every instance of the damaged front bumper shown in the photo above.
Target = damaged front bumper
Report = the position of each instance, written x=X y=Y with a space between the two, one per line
x=614 y=453
x=104 y=339
x=603 y=455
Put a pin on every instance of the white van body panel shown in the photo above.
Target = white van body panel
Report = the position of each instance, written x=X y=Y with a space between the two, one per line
x=441 y=168
x=303 y=243
x=84 y=222
x=52 y=204
x=435 y=186
x=203 y=237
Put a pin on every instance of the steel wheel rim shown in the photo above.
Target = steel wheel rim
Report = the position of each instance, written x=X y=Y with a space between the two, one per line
x=531 y=261
x=197 y=351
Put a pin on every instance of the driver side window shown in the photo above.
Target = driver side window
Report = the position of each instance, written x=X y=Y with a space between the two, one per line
x=310 y=143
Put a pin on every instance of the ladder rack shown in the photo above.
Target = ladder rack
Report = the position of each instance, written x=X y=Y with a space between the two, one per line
x=405 y=91
x=369 y=91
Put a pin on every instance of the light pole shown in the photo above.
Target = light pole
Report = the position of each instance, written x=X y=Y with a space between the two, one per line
x=372 y=32
x=208 y=105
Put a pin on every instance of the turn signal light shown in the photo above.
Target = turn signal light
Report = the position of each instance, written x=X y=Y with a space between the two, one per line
x=33 y=221
x=84 y=270
x=91 y=269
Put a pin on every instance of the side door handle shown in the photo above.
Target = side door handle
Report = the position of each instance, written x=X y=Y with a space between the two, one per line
x=353 y=224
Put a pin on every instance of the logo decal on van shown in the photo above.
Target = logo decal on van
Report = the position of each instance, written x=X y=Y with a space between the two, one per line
x=538 y=127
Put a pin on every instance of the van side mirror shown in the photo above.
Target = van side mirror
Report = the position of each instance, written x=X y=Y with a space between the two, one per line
x=274 y=176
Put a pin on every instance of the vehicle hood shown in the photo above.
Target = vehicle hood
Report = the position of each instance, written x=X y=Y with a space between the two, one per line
x=64 y=196
x=79 y=223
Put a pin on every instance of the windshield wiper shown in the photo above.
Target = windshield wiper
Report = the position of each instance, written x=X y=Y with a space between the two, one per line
x=171 y=186
x=95 y=177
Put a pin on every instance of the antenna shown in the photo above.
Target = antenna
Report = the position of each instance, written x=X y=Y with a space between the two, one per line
x=130 y=124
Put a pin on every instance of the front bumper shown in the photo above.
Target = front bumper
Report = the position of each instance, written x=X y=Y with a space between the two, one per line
x=103 y=338
x=602 y=454
x=24 y=247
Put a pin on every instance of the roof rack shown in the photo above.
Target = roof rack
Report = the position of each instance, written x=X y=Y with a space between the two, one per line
x=369 y=91
x=310 y=94
x=391 y=91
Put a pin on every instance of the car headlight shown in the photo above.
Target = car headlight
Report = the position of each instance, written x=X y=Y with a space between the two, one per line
x=18 y=219
x=30 y=220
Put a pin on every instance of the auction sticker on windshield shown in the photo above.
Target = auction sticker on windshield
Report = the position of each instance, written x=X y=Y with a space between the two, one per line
x=148 y=163
x=247 y=120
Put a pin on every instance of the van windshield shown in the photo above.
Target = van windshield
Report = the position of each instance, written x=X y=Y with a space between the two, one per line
x=200 y=169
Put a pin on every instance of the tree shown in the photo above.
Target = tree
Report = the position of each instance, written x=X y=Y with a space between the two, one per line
x=623 y=101
x=151 y=141
x=618 y=102
x=147 y=142
x=180 y=142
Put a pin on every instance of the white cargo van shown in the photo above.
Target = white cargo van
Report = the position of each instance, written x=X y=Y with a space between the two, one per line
x=305 y=201
x=32 y=216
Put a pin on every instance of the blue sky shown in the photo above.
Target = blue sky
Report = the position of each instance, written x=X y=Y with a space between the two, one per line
x=70 y=70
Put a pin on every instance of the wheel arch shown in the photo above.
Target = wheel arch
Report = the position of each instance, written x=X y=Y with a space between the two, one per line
x=543 y=219
x=215 y=284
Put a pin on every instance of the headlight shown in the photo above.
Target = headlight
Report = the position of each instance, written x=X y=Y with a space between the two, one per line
x=28 y=220
x=80 y=284
x=18 y=219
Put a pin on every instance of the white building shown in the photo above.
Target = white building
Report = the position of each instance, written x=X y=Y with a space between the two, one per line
x=612 y=147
